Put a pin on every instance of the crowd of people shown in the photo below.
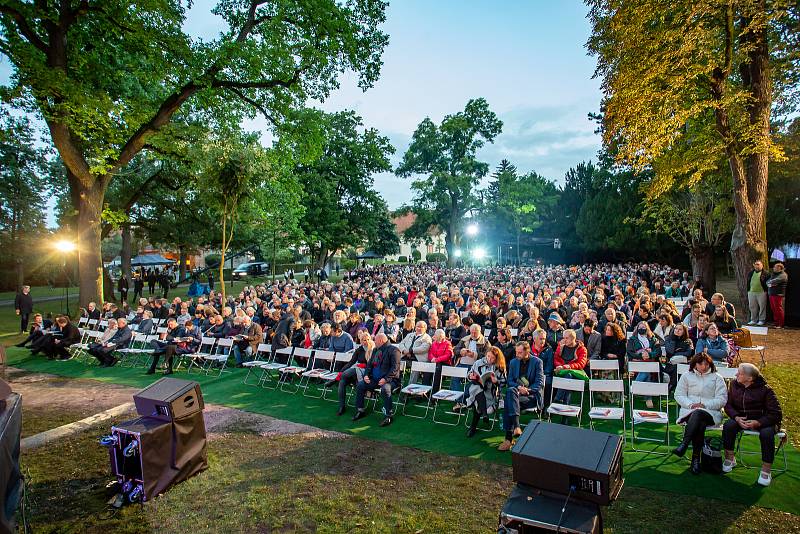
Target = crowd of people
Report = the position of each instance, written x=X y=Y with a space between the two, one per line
x=513 y=329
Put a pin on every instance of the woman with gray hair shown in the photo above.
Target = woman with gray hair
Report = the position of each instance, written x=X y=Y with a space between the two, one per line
x=752 y=405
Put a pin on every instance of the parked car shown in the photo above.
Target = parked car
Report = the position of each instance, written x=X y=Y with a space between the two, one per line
x=247 y=270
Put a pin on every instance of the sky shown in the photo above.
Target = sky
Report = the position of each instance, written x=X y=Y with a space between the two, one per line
x=526 y=58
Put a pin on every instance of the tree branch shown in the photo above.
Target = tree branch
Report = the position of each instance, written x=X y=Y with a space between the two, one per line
x=24 y=27
x=253 y=103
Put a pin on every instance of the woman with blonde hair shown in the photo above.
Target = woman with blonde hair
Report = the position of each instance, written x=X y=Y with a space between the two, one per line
x=354 y=370
x=486 y=377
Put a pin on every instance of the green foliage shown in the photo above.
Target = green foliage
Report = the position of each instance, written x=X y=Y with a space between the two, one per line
x=342 y=208
x=446 y=155
x=435 y=257
x=416 y=254
x=213 y=260
x=383 y=239
x=783 y=215
x=403 y=259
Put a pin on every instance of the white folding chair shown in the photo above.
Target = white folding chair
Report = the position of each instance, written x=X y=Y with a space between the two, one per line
x=220 y=356
x=131 y=352
x=289 y=371
x=302 y=357
x=449 y=395
x=161 y=330
x=604 y=366
x=780 y=436
x=206 y=350
x=727 y=373
x=263 y=352
x=761 y=349
x=320 y=366
x=419 y=390
x=272 y=368
x=92 y=324
x=82 y=322
x=339 y=359
x=605 y=412
x=656 y=416
x=102 y=325
x=573 y=385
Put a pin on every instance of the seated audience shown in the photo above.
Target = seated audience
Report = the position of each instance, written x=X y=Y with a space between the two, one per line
x=486 y=377
x=525 y=389
x=382 y=373
x=713 y=344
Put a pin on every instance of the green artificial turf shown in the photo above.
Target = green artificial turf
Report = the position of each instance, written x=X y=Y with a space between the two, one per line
x=665 y=473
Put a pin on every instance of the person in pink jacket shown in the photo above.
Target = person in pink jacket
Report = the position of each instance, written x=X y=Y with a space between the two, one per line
x=441 y=350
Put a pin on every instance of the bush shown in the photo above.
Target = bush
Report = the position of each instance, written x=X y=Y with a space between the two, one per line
x=402 y=259
x=212 y=260
x=416 y=254
x=348 y=264
x=435 y=257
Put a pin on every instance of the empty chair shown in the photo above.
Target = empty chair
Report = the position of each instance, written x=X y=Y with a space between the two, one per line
x=566 y=409
x=449 y=395
x=607 y=411
x=419 y=391
x=656 y=416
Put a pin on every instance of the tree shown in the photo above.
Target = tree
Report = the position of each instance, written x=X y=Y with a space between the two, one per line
x=342 y=208
x=447 y=155
x=384 y=239
x=697 y=217
x=24 y=186
x=110 y=78
x=783 y=218
x=693 y=80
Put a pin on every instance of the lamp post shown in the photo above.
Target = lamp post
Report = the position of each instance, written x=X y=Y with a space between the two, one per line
x=65 y=247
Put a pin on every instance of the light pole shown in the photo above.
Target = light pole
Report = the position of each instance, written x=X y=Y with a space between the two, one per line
x=65 y=247
x=472 y=231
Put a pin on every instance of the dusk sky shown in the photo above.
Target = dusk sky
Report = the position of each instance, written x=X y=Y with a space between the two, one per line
x=526 y=58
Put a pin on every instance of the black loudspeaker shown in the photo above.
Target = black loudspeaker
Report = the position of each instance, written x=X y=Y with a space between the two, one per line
x=169 y=399
x=151 y=454
x=529 y=510
x=157 y=454
x=791 y=305
x=10 y=477
x=563 y=459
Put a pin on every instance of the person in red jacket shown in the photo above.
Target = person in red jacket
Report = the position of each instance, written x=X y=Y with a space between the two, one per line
x=752 y=405
x=570 y=354
x=441 y=350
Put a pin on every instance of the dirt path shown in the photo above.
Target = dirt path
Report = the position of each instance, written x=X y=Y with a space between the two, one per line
x=82 y=398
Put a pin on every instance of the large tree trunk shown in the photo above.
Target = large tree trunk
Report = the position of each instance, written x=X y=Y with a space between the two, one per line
x=702 y=258
x=125 y=256
x=90 y=261
x=181 y=263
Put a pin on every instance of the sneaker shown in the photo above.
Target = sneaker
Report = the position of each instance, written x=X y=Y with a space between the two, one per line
x=760 y=323
x=764 y=478
x=505 y=446
x=750 y=323
x=728 y=465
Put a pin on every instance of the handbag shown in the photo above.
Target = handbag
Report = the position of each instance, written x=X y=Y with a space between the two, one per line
x=711 y=458
x=741 y=337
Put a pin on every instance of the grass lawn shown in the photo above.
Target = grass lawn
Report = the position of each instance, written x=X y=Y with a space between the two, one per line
x=327 y=484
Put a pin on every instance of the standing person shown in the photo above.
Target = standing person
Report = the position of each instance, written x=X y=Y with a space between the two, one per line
x=777 y=293
x=210 y=280
x=138 y=286
x=23 y=304
x=151 y=281
x=122 y=287
x=757 y=294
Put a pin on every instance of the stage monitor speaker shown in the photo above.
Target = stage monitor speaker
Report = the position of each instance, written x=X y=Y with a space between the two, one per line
x=530 y=510
x=165 y=453
x=791 y=304
x=557 y=458
x=10 y=477
x=169 y=399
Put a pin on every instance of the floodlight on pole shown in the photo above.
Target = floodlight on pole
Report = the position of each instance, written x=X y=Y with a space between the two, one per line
x=472 y=229
x=457 y=253
x=479 y=253
x=65 y=246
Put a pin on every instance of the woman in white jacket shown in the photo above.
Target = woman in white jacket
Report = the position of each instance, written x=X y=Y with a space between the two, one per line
x=701 y=393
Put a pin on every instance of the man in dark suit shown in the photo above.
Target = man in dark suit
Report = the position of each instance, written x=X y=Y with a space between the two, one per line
x=104 y=352
x=283 y=333
x=138 y=286
x=165 y=346
x=525 y=389
x=23 y=304
x=57 y=344
x=382 y=373
x=122 y=287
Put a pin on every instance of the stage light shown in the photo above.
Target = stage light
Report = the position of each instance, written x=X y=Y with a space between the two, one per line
x=478 y=253
x=472 y=229
x=457 y=253
x=64 y=245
